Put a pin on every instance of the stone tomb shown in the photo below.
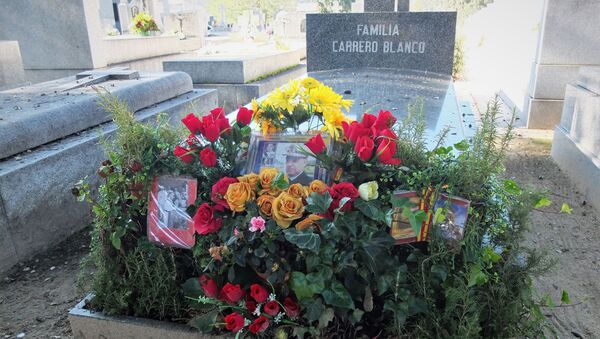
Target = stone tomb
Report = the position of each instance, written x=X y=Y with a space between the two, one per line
x=576 y=144
x=421 y=41
x=49 y=137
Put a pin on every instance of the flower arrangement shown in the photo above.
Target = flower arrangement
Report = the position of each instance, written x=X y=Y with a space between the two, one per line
x=143 y=23
x=277 y=259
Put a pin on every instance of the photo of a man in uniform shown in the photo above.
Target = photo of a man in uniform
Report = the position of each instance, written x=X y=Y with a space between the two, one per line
x=295 y=165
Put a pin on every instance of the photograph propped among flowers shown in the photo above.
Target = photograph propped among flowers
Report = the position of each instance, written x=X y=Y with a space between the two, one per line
x=306 y=223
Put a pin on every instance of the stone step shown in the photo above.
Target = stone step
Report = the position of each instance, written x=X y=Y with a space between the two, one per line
x=35 y=115
x=37 y=209
x=589 y=78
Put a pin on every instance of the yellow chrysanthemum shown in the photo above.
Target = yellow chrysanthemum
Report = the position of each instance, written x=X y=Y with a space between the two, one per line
x=267 y=127
x=310 y=83
x=333 y=122
x=323 y=99
x=284 y=98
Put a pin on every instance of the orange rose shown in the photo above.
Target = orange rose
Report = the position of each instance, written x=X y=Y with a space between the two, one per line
x=266 y=177
x=297 y=191
x=308 y=222
x=317 y=186
x=265 y=203
x=286 y=209
x=237 y=195
x=252 y=179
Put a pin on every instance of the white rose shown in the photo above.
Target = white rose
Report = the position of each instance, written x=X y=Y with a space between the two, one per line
x=368 y=191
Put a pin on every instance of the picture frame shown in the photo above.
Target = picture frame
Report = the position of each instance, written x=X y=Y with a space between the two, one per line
x=168 y=222
x=455 y=215
x=289 y=154
x=400 y=228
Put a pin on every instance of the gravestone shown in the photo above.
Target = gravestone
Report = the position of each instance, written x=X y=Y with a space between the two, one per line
x=388 y=60
x=411 y=40
x=49 y=140
x=11 y=65
x=576 y=144
x=386 y=5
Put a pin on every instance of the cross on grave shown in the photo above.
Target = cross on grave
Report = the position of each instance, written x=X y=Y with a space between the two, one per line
x=88 y=78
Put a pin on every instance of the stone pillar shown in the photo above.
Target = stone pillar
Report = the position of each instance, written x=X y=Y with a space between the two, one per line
x=11 y=65
x=124 y=18
x=386 y=5
x=568 y=39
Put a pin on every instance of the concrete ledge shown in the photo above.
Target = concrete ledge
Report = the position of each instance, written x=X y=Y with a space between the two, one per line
x=549 y=81
x=88 y=324
x=232 y=96
x=582 y=167
x=36 y=205
x=131 y=47
x=58 y=112
x=589 y=77
x=233 y=70
x=543 y=113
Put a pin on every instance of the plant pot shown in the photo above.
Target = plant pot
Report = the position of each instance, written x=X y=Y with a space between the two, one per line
x=89 y=324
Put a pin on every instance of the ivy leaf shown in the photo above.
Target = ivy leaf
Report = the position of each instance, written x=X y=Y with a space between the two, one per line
x=370 y=209
x=348 y=221
x=439 y=272
x=543 y=202
x=511 y=187
x=326 y=317
x=477 y=277
x=415 y=219
x=338 y=296
x=205 y=322
x=280 y=182
x=314 y=309
x=400 y=310
x=303 y=239
x=416 y=305
x=299 y=285
x=318 y=203
x=115 y=237
x=566 y=208
x=191 y=288
x=463 y=145
x=565 y=299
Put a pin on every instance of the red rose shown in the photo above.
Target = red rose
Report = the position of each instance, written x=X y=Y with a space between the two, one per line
x=192 y=123
x=386 y=150
x=368 y=120
x=385 y=120
x=338 y=192
x=260 y=324
x=231 y=293
x=291 y=307
x=209 y=286
x=204 y=220
x=218 y=113
x=234 y=322
x=208 y=157
x=271 y=308
x=219 y=189
x=355 y=131
x=259 y=293
x=183 y=154
x=136 y=166
x=244 y=116
x=364 y=148
x=250 y=304
x=316 y=144
x=191 y=139
x=209 y=128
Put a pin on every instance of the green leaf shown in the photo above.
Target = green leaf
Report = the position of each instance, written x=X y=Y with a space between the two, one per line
x=439 y=272
x=314 y=309
x=463 y=145
x=356 y=316
x=318 y=203
x=343 y=202
x=349 y=222
x=476 y=276
x=511 y=187
x=565 y=299
x=115 y=237
x=439 y=217
x=191 y=288
x=543 y=202
x=326 y=317
x=371 y=209
x=303 y=239
x=280 y=182
x=299 y=285
x=338 y=296
x=400 y=310
x=416 y=305
x=205 y=322
x=415 y=218
x=566 y=208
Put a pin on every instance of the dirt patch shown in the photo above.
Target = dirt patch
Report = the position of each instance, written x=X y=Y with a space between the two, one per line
x=36 y=303
x=571 y=239
x=35 y=296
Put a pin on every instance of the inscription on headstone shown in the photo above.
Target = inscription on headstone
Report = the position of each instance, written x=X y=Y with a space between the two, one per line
x=410 y=40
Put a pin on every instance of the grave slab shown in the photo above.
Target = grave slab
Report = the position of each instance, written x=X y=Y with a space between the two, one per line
x=390 y=89
x=36 y=205
x=421 y=41
x=232 y=69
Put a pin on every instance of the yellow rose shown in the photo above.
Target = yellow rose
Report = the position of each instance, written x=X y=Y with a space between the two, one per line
x=265 y=204
x=265 y=178
x=308 y=222
x=237 y=195
x=286 y=209
x=252 y=179
x=368 y=191
x=317 y=186
x=297 y=191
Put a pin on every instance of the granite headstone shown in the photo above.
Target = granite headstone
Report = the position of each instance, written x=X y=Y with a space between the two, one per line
x=421 y=41
x=386 y=6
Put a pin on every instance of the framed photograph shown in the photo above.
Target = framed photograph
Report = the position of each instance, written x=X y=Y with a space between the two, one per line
x=400 y=228
x=287 y=153
x=168 y=221
x=455 y=211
